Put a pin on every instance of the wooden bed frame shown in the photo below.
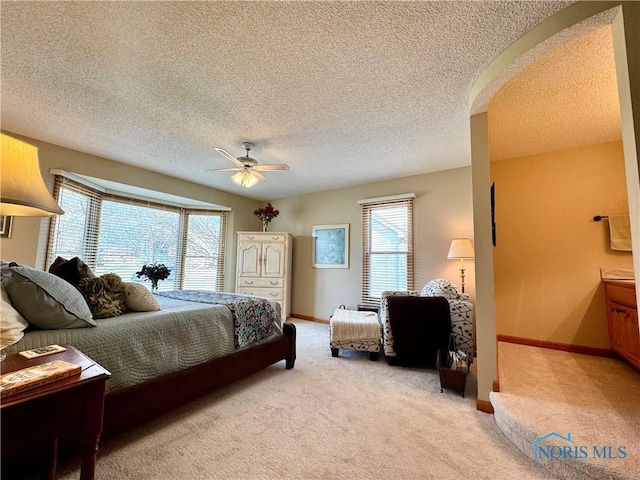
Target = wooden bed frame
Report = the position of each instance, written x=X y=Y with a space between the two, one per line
x=137 y=404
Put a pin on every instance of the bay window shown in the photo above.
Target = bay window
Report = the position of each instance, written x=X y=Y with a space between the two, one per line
x=117 y=234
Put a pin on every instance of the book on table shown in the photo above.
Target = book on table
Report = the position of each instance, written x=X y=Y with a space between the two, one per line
x=41 y=351
x=31 y=377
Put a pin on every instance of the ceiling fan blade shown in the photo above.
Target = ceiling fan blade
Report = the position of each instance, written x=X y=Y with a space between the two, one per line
x=272 y=168
x=227 y=155
x=262 y=178
x=229 y=169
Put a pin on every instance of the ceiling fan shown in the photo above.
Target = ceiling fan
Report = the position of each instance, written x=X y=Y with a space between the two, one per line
x=247 y=167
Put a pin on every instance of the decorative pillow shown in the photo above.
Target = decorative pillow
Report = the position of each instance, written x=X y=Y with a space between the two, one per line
x=442 y=288
x=105 y=295
x=72 y=270
x=47 y=302
x=12 y=324
x=139 y=298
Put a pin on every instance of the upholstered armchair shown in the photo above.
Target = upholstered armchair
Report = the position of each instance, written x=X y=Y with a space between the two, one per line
x=387 y=334
x=460 y=310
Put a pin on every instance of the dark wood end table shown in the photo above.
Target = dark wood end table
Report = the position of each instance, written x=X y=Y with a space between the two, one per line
x=68 y=408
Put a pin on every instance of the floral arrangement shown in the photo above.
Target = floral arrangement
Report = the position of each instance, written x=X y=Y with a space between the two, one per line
x=266 y=214
x=154 y=273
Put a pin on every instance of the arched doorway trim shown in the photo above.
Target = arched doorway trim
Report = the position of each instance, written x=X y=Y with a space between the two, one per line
x=573 y=21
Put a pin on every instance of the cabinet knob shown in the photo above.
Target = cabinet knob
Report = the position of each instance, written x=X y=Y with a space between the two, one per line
x=273 y=283
x=249 y=282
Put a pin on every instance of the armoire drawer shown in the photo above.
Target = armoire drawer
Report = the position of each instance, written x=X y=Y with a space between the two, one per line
x=272 y=293
x=262 y=237
x=254 y=282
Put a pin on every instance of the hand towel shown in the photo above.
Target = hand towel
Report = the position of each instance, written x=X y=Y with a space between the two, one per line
x=620 y=232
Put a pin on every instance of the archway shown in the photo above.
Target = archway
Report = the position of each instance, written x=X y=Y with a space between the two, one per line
x=567 y=24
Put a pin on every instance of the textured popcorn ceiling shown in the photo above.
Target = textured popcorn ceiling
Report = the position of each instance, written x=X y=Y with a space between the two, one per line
x=345 y=93
x=567 y=98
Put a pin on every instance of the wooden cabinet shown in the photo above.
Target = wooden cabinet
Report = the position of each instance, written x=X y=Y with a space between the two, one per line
x=622 y=315
x=264 y=267
x=70 y=408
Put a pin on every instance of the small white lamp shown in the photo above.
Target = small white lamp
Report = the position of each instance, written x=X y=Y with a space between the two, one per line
x=22 y=190
x=461 y=248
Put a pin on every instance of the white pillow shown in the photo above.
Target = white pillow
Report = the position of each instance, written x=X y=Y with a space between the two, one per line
x=12 y=324
x=139 y=299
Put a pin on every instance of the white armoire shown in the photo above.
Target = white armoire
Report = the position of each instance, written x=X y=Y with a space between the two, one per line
x=264 y=267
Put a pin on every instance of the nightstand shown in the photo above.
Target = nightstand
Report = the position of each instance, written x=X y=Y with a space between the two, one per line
x=34 y=420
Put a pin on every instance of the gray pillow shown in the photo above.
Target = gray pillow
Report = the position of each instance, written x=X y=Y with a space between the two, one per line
x=47 y=302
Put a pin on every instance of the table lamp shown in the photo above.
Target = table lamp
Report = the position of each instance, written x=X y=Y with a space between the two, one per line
x=22 y=190
x=461 y=248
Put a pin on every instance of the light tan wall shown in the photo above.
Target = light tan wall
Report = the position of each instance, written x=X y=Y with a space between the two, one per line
x=549 y=250
x=485 y=325
x=442 y=211
x=23 y=246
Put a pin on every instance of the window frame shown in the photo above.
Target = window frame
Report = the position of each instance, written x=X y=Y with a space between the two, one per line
x=92 y=227
x=368 y=207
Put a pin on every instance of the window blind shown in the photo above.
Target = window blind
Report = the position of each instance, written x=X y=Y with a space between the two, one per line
x=387 y=249
x=203 y=251
x=115 y=233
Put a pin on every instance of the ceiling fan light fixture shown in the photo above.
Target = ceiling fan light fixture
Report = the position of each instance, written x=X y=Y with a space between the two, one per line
x=245 y=179
x=248 y=168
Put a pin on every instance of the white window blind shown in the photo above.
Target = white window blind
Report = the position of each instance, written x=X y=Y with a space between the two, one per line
x=113 y=233
x=387 y=250
x=203 y=255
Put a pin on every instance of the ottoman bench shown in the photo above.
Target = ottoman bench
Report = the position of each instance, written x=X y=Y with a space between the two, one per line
x=355 y=330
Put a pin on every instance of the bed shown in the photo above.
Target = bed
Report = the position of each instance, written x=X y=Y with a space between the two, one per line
x=162 y=359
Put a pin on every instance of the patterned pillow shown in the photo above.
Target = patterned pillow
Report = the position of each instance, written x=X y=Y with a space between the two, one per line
x=442 y=288
x=105 y=295
x=139 y=299
x=47 y=302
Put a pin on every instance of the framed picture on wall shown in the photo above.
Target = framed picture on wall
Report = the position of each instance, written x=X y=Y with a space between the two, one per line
x=331 y=246
x=5 y=228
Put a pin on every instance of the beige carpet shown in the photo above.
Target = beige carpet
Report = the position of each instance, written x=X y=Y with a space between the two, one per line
x=596 y=400
x=345 y=417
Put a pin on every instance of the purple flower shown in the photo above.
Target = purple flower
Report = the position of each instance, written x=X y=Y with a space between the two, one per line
x=154 y=272
x=266 y=213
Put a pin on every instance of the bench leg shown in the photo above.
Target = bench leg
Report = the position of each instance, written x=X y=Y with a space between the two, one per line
x=373 y=356
x=334 y=352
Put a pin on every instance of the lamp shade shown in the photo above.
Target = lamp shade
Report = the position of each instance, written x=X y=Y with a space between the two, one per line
x=461 y=248
x=22 y=190
x=245 y=179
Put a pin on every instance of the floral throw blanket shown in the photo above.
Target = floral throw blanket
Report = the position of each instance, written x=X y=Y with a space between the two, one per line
x=253 y=318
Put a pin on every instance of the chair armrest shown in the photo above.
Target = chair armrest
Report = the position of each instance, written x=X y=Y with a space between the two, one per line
x=383 y=318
